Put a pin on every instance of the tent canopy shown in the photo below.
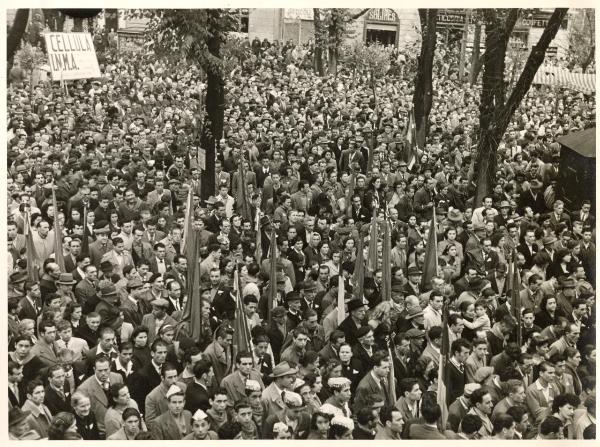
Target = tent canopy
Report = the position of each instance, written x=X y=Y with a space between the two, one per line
x=582 y=142
x=561 y=77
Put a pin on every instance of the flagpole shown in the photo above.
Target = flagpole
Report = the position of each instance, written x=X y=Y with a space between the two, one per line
x=272 y=274
x=58 y=253
x=341 y=311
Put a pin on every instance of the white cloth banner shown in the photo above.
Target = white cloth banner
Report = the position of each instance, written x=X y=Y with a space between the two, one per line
x=71 y=56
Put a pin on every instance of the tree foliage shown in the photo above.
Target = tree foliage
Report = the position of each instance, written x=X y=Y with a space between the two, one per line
x=497 y=105
x=582 y=40
x=331 y=29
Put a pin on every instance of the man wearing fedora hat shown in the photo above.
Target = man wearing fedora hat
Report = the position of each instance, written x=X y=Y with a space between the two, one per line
x=357 y=311
x=18 y=426
x=283 y=376
x=108 y=307
x=64 y=284
x=102 y=245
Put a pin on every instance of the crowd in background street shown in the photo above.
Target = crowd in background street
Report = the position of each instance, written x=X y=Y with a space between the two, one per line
x=98 y=347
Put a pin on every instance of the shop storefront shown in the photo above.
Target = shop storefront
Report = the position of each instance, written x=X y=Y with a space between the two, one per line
x=383 y=26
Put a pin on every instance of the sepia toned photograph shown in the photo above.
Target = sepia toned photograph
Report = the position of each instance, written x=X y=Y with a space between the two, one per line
x=301 y=224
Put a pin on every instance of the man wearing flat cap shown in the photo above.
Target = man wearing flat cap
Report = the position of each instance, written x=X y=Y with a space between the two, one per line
x=157 y=318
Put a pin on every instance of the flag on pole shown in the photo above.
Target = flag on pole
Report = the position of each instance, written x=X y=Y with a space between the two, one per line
x=243 y=339
x=350 y=194
x=515 y=289
x=192 y=313
x=411 y=139
x=431 y=254
x=59 y=256
x=358 y=279
x=386 y=292
x=258 y=249
x=272 y=274
x=33 y=273
x=85 y=243
x=391 y=379
x=188 y=222
x=373 y=239
x=341 y=311
x=443 y=368
x=242 y=195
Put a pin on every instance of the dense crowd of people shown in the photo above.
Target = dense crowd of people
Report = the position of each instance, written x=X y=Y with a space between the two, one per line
x=100 y=349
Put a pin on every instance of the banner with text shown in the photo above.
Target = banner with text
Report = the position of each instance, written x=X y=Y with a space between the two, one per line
x=71 y=56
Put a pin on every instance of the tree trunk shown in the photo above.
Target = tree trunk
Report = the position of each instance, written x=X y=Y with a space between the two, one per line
x=77 y=24
x=474 y=73
x=495 y=110
x=333 y=61
x=590 y=57
x=215 y=106
x=423 y=81
x=320 y=46
x=13 y=40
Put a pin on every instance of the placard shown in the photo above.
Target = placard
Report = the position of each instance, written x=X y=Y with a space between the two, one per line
x=71 y=56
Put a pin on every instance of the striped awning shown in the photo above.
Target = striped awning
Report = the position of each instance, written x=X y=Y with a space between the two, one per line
x=561 y=77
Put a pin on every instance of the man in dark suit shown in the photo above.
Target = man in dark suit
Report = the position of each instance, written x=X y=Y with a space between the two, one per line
x=196 y=393
x=460 y=351
x=374 y=382
x=363 y=350
x=58 y=393
x=584 y=215
x=431 y=413
x=16 y=393
x=533 y=198
x=263 y=171
x=31 y=305
x=331 y=350
x=148 y=377
x=528 y=248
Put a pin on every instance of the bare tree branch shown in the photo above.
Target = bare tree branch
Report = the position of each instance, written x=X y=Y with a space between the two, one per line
x=360 y=14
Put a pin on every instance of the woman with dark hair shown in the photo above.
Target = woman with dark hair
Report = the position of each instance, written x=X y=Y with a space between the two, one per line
x=563 y=408
x=315 y=382
x=319 y=425
x=73 y=313
x=538 y=348
x=121 y=400
x=561 y=264
x=467 y=312
x=450 y=262
x=131 y=425
x=63 y=427
x=333 y=369
x=548 y=314
x=141 y=350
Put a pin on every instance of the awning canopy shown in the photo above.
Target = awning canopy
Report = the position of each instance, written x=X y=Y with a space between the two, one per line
x=582 y=142
x=561 y=77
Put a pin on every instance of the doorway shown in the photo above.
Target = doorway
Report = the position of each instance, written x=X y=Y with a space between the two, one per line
x=384 y=37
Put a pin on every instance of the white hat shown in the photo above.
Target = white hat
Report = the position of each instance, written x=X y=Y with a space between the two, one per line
x=329 y=409
x=253 y=385
x=343 y=421
x=199 y=415
x=292 y=399
x=174 y=390
x=338 y=382
x=280 y=427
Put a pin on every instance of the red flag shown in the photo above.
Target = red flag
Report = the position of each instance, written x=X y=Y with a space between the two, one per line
x=386 y=292
x=242 y=196
x=258 y=249
x=58 y=249
x=192 y=313
x=85 y=243
x=33 y=273
x=431 y=261
x=411 y=139
x=188 y=223
x=443 y=369
x=358 y=279
x=243 y=339
x=272 y=274
x=373 y=240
